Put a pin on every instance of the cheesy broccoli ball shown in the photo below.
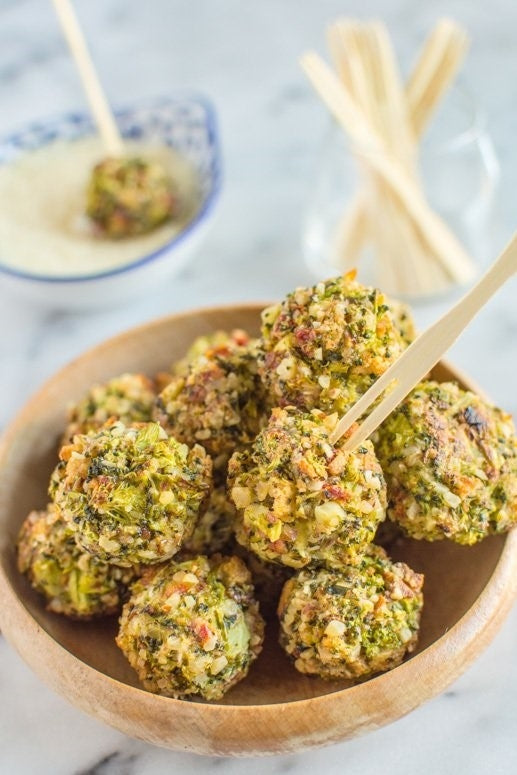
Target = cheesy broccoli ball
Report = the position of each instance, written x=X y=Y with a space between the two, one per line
x=352 y=622
x=129 y=196
x=450 y=461
x=214 y=529
x=192 y=628
x=217 y=404
x=131 y=493
x=73 y=581
x=128 y=397
x=301 y=499
x=323 y=347
x=219 y=341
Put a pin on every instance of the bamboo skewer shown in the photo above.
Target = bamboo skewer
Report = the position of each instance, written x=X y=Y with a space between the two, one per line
x=398 y=129
x=440 y=239
x=405 y=250
x=385 y=106
x=351 y=232
x=365 y=62
x=438 y=64
x=99 y=105
x=425 y=352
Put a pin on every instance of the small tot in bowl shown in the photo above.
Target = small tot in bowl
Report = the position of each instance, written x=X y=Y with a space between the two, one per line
x=351 y=622
x=70 y=266
x=128 y=397
x=325 y=345
x=130 y=196
x=450 y=460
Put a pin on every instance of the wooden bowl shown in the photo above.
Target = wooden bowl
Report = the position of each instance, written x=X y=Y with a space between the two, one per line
x=468 y=592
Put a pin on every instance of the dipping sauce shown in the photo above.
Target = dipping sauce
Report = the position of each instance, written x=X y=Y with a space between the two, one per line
x=43 y=226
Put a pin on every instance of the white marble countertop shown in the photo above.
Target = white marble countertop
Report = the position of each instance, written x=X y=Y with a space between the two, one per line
x=244 y=57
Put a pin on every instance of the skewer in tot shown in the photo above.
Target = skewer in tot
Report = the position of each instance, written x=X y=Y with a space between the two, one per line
x=126 y=195
x=415 y=362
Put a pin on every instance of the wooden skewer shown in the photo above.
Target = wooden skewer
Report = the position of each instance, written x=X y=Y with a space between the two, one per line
x=425 y=352
x=99 y=105
x=350 y=233
x=398 y=128
x=439 y=237
x=355 y=51
x=405 y=252
x=437 y=65
x=365 y=61
x=353 y=67
x=339 y=47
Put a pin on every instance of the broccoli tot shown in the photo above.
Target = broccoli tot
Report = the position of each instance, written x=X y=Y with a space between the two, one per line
x=132 y=494
x=192 y=628
x=74 y=582
x=323 y=347
x=353 y=622
x=216 y=404
x=219 y=342
x=129 y=196
x=450 y=461
x=301 y=499
x=128 y=397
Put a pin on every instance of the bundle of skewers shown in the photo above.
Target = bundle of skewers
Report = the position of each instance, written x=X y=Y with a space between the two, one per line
x=416 y=252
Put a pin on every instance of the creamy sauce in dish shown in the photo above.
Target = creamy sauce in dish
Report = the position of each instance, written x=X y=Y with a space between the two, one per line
x=43 y=226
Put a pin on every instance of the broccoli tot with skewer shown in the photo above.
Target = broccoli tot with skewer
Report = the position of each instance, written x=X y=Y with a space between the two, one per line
x=73 y=581
x=352 y=622
x=325 y=346
x=450 y=461
x=132 y=494
x=129 y=196
x=192 y=628
x=300 y=498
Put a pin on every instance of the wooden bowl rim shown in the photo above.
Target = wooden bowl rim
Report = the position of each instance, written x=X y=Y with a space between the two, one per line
x=450 y=654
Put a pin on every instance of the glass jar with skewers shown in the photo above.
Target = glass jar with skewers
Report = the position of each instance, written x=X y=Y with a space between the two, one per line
x=404 y=198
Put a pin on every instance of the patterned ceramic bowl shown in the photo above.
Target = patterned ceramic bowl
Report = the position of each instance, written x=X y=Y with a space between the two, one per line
x=185 y=123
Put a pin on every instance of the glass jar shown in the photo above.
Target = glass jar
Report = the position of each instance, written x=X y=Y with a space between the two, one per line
x=458 y=168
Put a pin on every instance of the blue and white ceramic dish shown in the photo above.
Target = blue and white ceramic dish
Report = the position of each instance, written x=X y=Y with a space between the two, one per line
x=185 y=123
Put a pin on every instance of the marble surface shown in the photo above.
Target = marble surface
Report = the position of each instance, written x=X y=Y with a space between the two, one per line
x=244 y=56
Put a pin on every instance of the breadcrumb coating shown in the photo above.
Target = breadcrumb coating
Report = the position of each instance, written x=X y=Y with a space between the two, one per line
x=324 y=346
x=353 y=622
x=131 y=494
x=300 y=498
x=450 y=461
x=192 y=628
x=74 y=582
